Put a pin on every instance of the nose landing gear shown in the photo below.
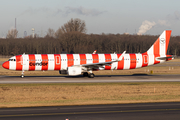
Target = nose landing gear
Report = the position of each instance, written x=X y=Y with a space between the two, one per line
x=22 y=74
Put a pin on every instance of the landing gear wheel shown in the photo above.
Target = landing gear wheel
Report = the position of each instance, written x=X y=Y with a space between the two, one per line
x=85 y=74
x=22 y=76
x=91 y=75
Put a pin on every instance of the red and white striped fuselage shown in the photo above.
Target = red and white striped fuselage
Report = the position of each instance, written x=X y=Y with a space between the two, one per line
x=35 y=62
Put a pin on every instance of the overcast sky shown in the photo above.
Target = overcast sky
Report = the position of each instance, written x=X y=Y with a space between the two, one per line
x=101 y=16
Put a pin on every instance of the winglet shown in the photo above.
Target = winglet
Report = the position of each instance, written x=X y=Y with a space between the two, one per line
x=94 y=52
x=121 y=57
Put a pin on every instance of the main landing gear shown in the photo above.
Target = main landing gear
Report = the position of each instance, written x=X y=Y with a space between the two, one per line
x=85 y=74
x=90 y=75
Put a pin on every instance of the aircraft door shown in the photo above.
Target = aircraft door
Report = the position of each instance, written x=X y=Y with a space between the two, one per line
x=23 y=59
x=57 y=60
x=145 y=57
x=24 y=62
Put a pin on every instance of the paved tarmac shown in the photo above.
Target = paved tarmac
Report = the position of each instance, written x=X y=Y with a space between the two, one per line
x=97 y=79
x=144 y=111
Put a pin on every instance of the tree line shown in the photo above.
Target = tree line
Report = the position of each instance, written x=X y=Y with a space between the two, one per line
x=72 y=38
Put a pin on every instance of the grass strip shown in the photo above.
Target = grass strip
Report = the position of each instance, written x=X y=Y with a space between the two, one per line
x=25 y=95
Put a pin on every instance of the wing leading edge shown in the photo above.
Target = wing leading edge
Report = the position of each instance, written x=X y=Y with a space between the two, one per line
x=101 y=64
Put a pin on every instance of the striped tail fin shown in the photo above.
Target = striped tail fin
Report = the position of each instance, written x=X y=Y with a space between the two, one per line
x=159 y=48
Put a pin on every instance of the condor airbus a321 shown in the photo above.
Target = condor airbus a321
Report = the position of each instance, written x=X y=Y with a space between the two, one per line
x=77 y=64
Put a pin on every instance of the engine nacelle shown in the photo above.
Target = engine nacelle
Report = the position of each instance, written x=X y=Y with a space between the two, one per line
x=62 y=71
x=74 y=71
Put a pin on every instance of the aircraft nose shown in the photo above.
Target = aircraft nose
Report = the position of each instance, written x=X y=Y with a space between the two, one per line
x=6 y=65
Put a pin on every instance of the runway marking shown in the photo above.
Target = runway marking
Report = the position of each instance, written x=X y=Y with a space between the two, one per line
x=29 y=109
x=78 y=113
x=89 y=81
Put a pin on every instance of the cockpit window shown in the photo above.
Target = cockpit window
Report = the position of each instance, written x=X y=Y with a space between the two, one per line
x=12 y=60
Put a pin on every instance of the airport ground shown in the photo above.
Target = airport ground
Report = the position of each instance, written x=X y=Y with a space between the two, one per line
x=143 y=111
x=58 y=94
x=159 y=83
x=151 y=86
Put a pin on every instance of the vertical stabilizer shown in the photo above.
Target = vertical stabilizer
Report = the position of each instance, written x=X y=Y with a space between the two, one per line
x=161 y=45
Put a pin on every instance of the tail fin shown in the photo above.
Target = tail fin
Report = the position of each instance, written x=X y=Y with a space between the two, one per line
x=161 y=45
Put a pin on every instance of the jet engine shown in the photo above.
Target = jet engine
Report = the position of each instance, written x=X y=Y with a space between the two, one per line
x=74 y=71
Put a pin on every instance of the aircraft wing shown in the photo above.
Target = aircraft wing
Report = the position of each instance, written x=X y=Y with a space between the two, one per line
x=101 y=64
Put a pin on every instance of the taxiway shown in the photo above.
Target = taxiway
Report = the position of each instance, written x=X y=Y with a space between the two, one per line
x=97 y=79
x=143 y=111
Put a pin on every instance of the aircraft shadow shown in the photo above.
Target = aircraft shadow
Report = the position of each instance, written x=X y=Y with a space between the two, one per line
x=81 y=76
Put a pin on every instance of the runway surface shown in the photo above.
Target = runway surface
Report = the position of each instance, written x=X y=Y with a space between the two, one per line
x=97 y=79
x=144 y=111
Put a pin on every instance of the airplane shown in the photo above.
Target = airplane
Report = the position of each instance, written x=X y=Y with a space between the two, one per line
x=77 y=64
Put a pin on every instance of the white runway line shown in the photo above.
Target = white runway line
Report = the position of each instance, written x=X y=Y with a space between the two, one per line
x=88 y=81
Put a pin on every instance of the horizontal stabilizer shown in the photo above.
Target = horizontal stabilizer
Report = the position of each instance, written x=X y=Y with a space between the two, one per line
x=164 y=58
